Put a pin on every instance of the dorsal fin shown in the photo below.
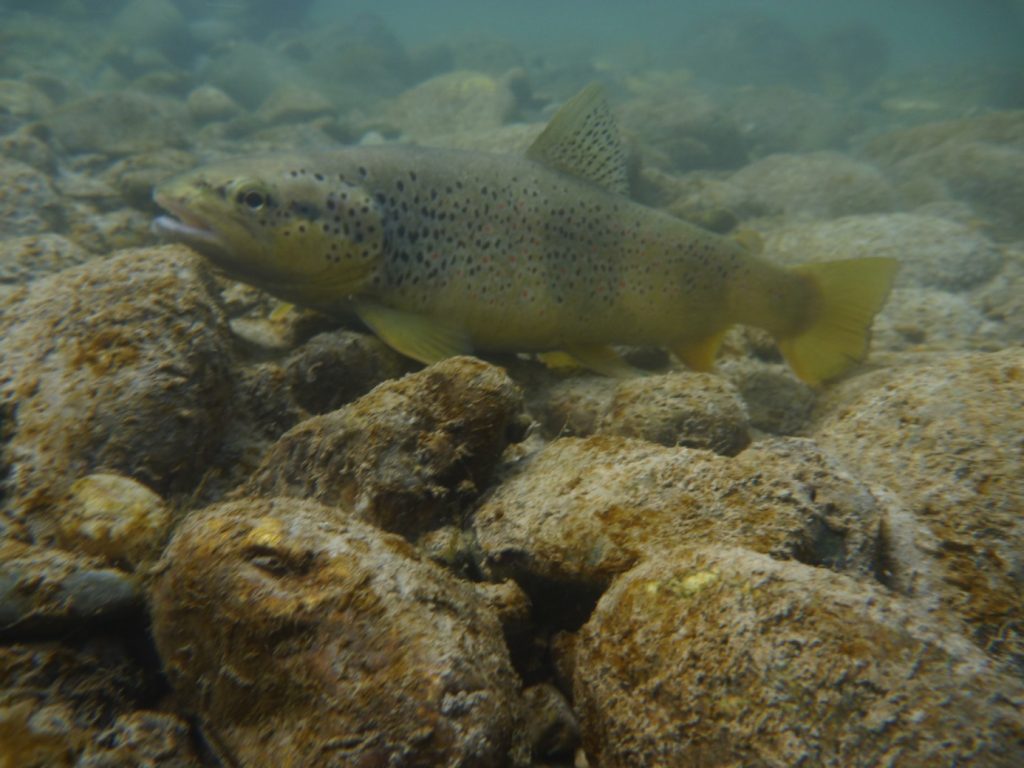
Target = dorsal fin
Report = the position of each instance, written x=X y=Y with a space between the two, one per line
x=583 y=140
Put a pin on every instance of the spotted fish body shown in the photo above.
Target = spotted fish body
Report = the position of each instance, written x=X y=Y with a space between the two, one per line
x=443 y=252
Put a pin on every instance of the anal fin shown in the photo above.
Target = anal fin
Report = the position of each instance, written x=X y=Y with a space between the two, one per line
x=699 y=354
x=423 y=338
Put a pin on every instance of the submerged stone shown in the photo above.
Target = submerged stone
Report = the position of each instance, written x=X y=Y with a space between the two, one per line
x=944 y=435
x=408 y=456
x=697 y=410
x=582 y=511
x=301 y=636
x=723 y=657
x=117 y=365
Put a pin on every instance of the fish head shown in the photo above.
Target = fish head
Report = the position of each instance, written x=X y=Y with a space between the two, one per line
x=265 y=223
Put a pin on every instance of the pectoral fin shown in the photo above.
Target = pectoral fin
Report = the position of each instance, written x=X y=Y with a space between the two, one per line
x=426 y=339
x=606 y=361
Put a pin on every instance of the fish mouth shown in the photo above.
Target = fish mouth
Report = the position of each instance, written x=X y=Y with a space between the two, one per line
x=184 y=225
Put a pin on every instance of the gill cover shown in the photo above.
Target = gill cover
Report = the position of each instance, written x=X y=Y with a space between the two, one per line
x=288 y=233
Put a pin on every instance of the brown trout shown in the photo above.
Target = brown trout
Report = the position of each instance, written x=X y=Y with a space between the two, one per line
x=443 y=252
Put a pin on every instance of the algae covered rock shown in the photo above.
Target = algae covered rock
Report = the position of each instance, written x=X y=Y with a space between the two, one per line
x=776 y=401
x=933 y=252
x=117 y=365
x=22 y=259
x=697 y=410
x=456 y=102
x=336 y=367
x=945 y=436
x=723 y=657
x=120 y=123
x=408 y=456
x=50 y=591
x=208 y=103
x=29 y=204
x=932 y=319
x=583 y=510
x=681 y=128
x=300 y=636
x=977 y=160
x=815 y=185
x=115 y=518
x=84 y=707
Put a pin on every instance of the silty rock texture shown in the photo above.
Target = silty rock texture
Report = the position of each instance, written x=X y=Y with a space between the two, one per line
x=49 y=591
x=723 y=657
x=86 y=707
x=301 y=636
x=408 y=456
x=584 y=510
x=945 y=435
x=697 y=410
x=117 y=365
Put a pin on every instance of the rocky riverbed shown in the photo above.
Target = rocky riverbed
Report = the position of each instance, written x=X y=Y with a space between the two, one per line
x=239 y=533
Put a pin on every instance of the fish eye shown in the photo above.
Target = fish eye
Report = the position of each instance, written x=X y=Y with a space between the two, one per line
x=252 y=199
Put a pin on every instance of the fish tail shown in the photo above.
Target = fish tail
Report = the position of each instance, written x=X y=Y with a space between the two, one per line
x=848 y=295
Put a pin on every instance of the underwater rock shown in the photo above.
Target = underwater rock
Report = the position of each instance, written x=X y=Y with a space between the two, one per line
x=678 y=126
x=930 y=319
x=776 y=401
x=247 y=71
x=301 y=636
x=583 y=510
x=135 y=176
x=115 y=518
x=66 y=706
x=409 y=456
x=781 y=118
x=336 y=367
x=23 y=259
x=945 y=436
x=104 y=232
x=456 y=102
x=142 y=738
x=294 y=104
x=358 y=61
x=723 y=657
x=933 y=252
x=29 y=204
x=551 y=725
x=123 y=122
x=1002 y=128
x=51 y=591
x=815 y=185
x=978 y=160
x=1002 y=298
x=697 y=410
x=989 y=177
x=514 y=138
x=118 y=365
x=28 y=146
x=19 y=103
x=208 y=104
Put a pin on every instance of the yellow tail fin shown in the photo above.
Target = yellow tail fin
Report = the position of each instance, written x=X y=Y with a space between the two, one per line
x=850 y=294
